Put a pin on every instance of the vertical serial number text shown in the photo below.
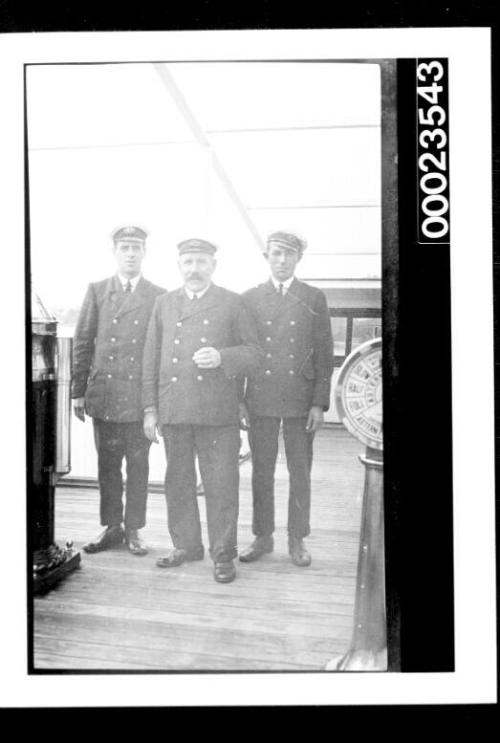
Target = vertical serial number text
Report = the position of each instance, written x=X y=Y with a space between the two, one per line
x=432 y=148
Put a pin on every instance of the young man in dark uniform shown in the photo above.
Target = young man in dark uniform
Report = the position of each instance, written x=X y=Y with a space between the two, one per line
x=201 y=340
x=107 y=370
x=292 y=387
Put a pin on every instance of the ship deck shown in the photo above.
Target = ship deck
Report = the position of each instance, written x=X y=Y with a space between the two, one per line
x=121 y=613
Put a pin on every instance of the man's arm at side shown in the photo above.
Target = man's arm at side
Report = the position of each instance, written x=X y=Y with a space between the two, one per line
x=151 y=358
x=322 y=353
x=151 y=372
x=83 y=350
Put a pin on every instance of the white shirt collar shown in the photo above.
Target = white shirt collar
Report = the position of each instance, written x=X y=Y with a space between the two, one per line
x=124 y=280
x=191 y=294
x=286 y=284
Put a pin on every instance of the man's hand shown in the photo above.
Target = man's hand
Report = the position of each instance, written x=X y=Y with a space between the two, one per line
x=315 y=419
x=207 y=358
x=79 y=408
x=150 y=426
x=244 y=417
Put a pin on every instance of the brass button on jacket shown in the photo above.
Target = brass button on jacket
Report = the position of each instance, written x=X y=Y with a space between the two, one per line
x=301 y=349
x=201 y=396
x=107 y=347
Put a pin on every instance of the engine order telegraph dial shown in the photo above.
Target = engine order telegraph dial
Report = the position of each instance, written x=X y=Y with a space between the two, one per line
x=358 y=393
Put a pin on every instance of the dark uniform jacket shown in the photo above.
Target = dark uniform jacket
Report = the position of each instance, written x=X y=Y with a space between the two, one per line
x=295 y=333
x=108 y=346
x=172 y=382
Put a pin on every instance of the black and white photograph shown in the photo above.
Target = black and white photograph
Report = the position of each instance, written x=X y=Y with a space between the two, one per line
x=246 y=306
x=247 y=180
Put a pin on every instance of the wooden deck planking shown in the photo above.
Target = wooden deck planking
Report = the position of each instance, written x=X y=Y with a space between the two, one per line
x=120 y=612
x=130 y=631
x=187 y=658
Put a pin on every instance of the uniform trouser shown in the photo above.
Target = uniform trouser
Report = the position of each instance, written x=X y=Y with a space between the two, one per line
x=263 y=439
x=114 y=441
x=217 y=448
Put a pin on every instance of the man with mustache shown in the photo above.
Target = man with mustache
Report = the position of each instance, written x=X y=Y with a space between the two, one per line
x=200 y=342
x=291 y=388
x=107 y=368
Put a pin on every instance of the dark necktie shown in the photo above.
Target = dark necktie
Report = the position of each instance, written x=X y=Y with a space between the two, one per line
x=280 y=290
x=128 y=287
x=195 y=297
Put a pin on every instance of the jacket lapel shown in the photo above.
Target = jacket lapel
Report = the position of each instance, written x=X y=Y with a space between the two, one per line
x=178 y=298
x=113 y=294
x=295 y=294
x=277 y=305
x=273 y=304
x=299 y=294
x=187 y=308
x=132 y=300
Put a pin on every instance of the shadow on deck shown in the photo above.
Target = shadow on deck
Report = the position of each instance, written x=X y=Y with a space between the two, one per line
x=120 y=612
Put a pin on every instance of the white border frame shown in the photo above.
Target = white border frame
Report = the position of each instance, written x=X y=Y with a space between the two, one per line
x=474 y=680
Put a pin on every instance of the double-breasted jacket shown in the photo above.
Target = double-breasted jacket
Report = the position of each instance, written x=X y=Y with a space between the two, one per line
x=108 y=346
x=295 y=332
x=172 y=382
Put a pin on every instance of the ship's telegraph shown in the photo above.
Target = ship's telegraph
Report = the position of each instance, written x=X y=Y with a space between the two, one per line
x=358 y=394
x=358 y=399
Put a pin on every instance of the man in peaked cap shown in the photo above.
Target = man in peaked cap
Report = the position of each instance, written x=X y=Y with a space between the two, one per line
x=107 y=369
x=291 y=387
x=201 y=340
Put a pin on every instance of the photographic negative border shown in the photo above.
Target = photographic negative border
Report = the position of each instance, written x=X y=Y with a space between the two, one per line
x=457 y=202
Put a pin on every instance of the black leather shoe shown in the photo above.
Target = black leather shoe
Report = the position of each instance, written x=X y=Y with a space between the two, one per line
x=300 y=556
x=260 y=546
x=110 y=537
x=134 y=543
x=224 y=572
x=176 y=557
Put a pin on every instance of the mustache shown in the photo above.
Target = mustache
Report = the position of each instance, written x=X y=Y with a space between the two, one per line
x=195 y=275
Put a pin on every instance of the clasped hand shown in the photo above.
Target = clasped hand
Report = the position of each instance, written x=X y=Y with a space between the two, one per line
x=207 y=358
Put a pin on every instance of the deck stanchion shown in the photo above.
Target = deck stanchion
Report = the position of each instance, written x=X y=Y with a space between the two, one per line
x=368 y=647
x=358 y=397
